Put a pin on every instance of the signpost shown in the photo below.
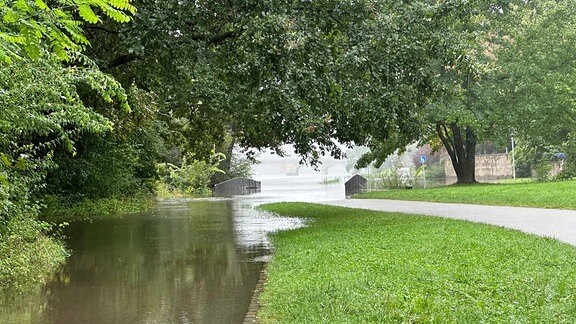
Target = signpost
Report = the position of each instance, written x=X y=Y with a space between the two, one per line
x=423 y=159
x=513 y=160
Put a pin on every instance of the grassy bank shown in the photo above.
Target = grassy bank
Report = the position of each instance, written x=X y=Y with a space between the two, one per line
x=58 y=208
x=353 y=266
x=27 y=255
x=558 y=194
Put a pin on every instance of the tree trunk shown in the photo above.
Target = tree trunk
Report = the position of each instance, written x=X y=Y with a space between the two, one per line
x=461 y=148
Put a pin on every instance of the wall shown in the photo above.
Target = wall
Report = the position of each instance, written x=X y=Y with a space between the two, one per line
x=488 y=167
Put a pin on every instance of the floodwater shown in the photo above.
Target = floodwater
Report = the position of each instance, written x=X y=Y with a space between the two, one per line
x=185 y=261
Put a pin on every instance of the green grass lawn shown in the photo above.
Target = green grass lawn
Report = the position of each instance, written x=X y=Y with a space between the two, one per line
x=357 y=266
x=558 y=194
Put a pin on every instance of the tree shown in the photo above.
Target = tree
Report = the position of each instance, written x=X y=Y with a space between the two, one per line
x=277 y=72
x=53 y=32
x=118 y=163
x=377 y=73
x=456 y=40
x=40 y=110
x=41 y=107
x=536 y=78
x=461 y=114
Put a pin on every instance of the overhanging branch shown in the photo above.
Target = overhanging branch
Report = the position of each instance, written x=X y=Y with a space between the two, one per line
x=121 y=60
x=109 y=31
x=214 y=39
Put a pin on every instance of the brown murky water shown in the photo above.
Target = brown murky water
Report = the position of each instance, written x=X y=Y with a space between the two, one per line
x=183 y=262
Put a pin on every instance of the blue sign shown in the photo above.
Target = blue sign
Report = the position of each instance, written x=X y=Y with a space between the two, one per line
x=423 y=159
x=560 y=156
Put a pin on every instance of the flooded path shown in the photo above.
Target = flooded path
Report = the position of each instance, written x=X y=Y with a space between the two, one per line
x=193 y=261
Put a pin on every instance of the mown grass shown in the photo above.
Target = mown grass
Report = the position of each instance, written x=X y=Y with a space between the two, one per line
x=558 y=194
x=357 y=266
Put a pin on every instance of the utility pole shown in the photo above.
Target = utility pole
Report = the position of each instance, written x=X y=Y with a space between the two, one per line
x=513 y=160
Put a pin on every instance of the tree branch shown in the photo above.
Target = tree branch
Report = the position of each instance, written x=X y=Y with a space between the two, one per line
x=121 y=60
x=442 y=133
x=340 y=24
x=115 y=32
x=214 y=39
x=448 y=139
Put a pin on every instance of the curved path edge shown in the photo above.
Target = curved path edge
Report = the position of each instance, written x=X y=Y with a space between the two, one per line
x=554 y=223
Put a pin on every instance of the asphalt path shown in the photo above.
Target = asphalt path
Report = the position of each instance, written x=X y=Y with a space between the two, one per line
x=555 y=223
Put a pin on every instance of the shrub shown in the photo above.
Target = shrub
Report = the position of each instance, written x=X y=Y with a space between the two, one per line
x=192 y=177
x=542 y=170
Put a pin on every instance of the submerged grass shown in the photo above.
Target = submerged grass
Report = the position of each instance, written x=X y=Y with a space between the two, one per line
x=60 y=209
x=558 y=194
x=357 y=266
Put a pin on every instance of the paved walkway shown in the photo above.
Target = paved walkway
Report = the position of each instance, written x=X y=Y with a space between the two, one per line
x=556 y=223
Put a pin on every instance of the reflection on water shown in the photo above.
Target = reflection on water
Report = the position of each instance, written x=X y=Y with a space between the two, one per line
x=183 y=262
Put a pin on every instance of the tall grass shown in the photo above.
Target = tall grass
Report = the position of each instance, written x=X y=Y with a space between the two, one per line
x=27 y=255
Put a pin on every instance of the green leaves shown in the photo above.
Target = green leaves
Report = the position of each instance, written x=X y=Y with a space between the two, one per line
x=192 y=177
x=118 y=10
x=41 y=4
x=50 y=108
x=45 y=107
x=537 y=73
x=87 y=14
x=35 y=29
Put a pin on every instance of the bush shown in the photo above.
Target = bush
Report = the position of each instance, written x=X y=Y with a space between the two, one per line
x=27 y=255
x=192 y=177
x=395 y=177
x=569 y=167
x=542 y=170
